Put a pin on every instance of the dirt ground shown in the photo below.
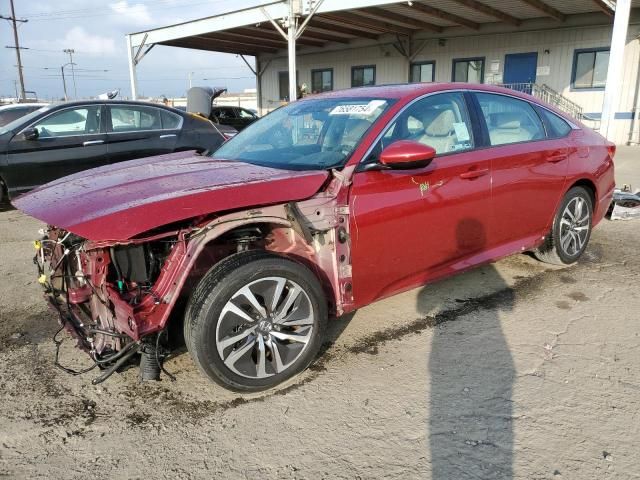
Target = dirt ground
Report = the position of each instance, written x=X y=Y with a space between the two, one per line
x=513 y=370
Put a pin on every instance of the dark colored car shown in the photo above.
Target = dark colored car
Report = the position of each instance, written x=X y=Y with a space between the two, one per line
x=60 y=140
x=321 y=207
x=9 y=113
x=236 y=117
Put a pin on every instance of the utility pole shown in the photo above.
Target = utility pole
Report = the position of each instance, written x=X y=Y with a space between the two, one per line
x=14 y=21
x=71 y=51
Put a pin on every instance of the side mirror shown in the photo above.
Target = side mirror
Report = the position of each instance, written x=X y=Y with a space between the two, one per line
x=407 y=154
x=31 y=134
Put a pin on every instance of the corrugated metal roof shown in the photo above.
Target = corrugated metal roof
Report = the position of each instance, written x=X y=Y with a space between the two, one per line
x=338 y=23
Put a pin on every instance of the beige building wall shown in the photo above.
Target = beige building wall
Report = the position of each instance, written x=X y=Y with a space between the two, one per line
x=555 y=48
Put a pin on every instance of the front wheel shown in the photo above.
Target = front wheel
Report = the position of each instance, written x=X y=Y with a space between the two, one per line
x=255 y=320
x=571 y=229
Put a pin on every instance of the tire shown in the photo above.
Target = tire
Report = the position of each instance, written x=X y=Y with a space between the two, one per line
x=4 y=196
x=569 y=236
x=243 y=343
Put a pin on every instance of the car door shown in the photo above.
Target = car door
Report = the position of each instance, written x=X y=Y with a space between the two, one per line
x=69 y=140
x=528 y=169
x=410 y=226
x=136 y=131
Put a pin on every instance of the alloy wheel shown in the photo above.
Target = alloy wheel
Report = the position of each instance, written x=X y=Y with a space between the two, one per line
x=265 y=327
x=574 y=226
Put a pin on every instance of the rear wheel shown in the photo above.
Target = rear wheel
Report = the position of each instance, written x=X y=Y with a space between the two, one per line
x=571 y=229
x=255 y=320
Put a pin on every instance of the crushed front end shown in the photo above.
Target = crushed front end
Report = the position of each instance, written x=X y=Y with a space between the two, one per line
x=103 y=294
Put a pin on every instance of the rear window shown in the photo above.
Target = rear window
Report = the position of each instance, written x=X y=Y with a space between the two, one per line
x=557 y=127
x=170 y=121
x=509 y=120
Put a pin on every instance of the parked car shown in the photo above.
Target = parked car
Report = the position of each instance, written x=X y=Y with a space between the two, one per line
x=236 y=117
x=319 y=208
x=9 y=113
x=59 y=140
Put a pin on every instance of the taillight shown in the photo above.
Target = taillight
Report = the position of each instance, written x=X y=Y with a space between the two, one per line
x=227 y=136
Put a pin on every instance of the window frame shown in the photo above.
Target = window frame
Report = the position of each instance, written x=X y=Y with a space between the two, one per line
x=363 y=67
x=321 y=71
x=103 y=123
x=547 y=125
x=485 y=128
x=475 y=132
x=574 y=68
x=109 y=126
x=425 y=62
x=468 y=59
x=280 y=73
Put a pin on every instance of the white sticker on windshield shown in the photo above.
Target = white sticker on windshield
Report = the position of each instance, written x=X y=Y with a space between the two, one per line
x=357 y=108
x=461 y=131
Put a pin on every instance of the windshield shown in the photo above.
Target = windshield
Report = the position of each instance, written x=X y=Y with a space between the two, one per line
x=18 y=122
x=313 y=134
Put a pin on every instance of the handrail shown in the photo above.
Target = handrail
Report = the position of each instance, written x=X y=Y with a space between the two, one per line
x=549 y=95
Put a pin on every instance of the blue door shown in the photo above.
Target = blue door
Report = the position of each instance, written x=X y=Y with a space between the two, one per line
x=520 y=68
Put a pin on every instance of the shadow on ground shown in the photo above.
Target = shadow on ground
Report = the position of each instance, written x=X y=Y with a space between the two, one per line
x=472 y=373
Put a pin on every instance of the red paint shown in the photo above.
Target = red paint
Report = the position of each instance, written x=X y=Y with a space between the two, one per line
x=406 y=152
x=120 y=201
x=405 y=227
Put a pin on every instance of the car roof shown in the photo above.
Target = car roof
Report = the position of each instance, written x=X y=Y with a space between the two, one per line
x=13 y=106
x=405 y=92
x=411 y=90
x=79 y=103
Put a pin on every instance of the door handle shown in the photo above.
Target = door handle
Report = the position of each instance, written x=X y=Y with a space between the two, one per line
x=92 y=142
x=557 y=157
x=168 y=135
x=471 y=174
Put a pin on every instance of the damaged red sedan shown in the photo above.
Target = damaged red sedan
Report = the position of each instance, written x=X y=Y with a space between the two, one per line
x=321 y=207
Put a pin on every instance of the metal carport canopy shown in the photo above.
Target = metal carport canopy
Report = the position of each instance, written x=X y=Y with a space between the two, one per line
x=297 y=24
x=264 y=28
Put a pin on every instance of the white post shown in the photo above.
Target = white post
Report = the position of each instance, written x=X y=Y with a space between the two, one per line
x=613 y=86
x=292 y=23
x=132 y=70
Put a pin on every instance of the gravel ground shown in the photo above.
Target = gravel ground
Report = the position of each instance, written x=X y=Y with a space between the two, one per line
x=512 y=370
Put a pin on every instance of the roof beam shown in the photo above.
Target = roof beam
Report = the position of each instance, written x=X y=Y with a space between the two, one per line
x=354 y=19
x=322 y=23
x=605 y=7
x=200 y=45
x=269 y=33
x=490 y=11
x=392 y=17
x=548 y=10
x=247 y=39
x=249 y=45
x=442 y=15
x=311 y=32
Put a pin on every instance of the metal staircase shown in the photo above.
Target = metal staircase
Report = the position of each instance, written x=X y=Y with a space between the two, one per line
x=549 y=95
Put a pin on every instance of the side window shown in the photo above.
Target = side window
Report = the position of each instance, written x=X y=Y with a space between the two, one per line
x=170 y=121
x=440 y=121
x=130 y=118
x=509 y=120
x=225 y=113
x=76 y=121
x=556 y=126
x=245 y=114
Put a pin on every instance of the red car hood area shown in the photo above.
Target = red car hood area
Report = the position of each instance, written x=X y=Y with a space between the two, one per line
x=120 y=201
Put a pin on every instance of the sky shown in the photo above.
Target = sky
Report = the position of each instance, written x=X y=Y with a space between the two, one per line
x=96 y=30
